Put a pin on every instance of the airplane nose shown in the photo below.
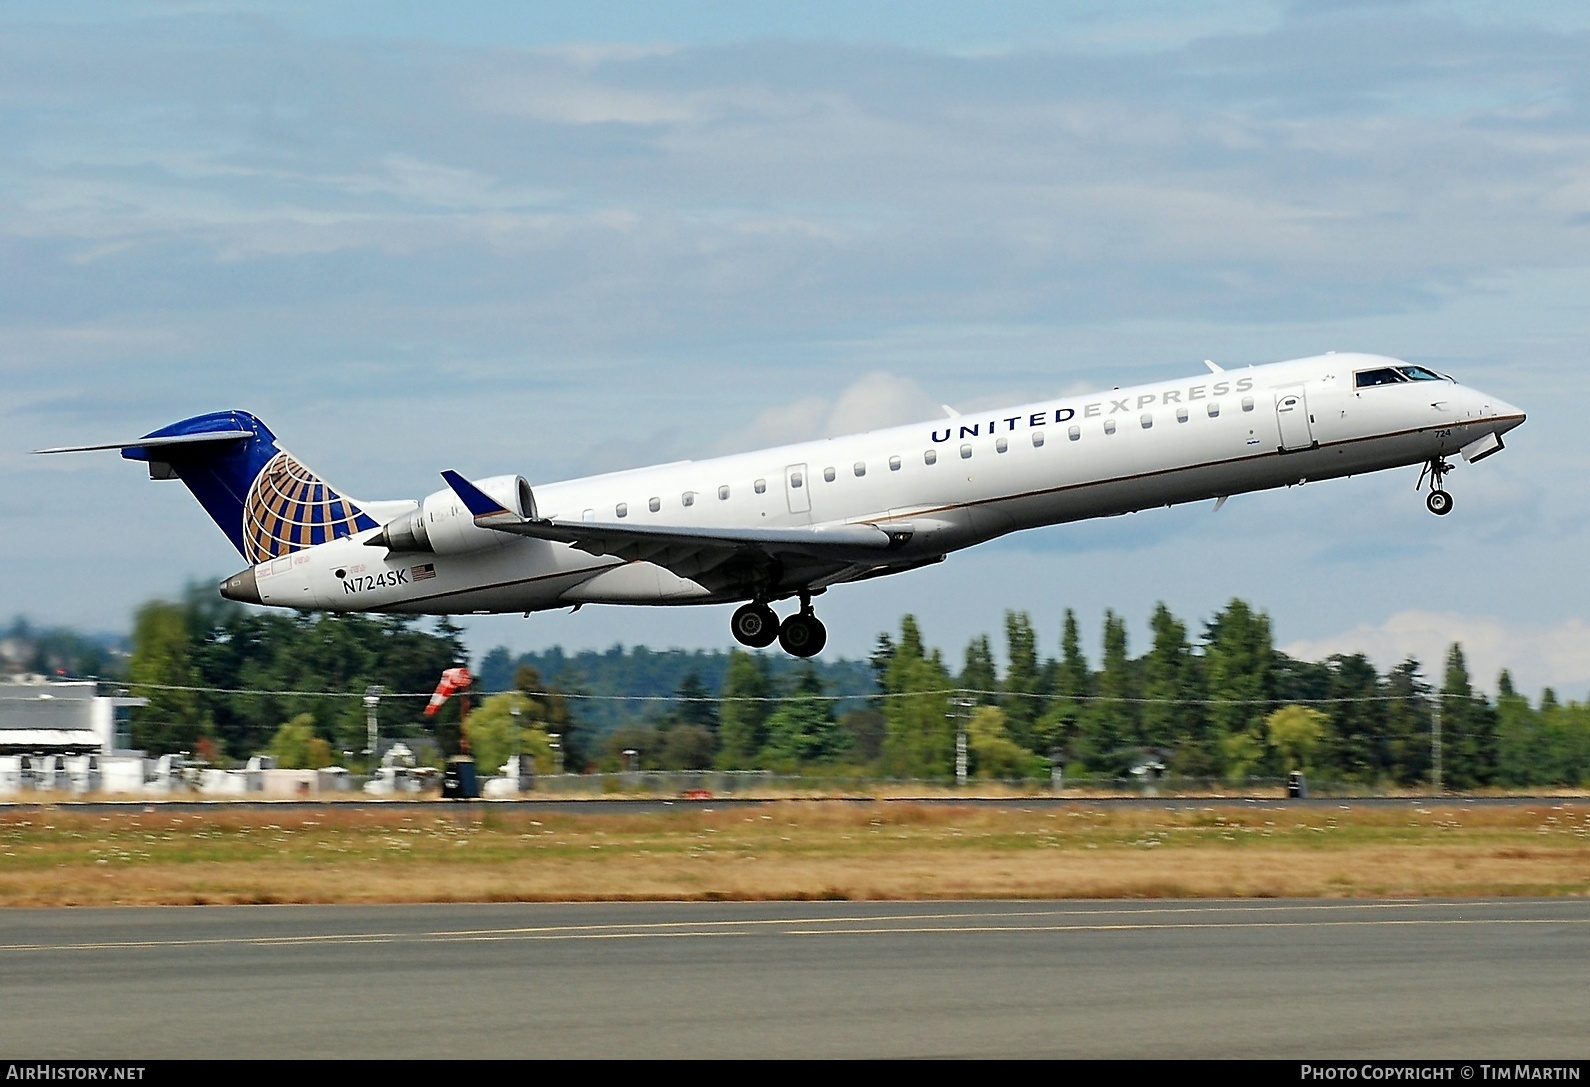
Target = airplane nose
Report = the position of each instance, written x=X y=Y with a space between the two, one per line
x=1507 y=414
x=242 y=587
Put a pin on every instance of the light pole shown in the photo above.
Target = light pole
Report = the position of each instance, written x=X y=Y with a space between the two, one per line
x=372 y=702
x=513 y=760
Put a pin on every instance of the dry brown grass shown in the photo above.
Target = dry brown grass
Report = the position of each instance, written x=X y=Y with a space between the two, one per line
x=795 y=850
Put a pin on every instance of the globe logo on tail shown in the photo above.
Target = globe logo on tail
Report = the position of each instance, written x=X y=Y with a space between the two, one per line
x=290 y=508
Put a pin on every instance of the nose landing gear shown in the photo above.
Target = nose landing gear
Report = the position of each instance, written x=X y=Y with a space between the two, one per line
x=1439 y=502
x=801 y=635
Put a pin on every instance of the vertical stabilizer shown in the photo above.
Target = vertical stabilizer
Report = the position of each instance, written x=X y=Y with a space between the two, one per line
x=267 y=502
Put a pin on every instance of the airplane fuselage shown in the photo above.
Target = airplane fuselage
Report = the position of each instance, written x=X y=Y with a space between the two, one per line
x=948 y=484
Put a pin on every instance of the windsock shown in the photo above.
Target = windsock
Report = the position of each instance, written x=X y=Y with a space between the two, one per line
x=453 y=681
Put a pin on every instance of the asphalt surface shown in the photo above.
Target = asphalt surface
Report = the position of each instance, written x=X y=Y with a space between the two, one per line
x=1295 y=979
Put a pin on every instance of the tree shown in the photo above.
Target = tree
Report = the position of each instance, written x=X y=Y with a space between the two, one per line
x=1238 y=655
x=1022 y=676
x=1109 y=727
x=496 y=732
x=1356 y=747
x=1172 y=714
x=1297 y=733
x=296 y=746
x=694 y=704
x=992 y=753
x=1523 y=745
x=742 y=714
x=687 y=747
x=919 y=738
x=1408 y=723
x=173 y=720
x=978 y=674
x=1468 y=728
x=865 y=728
x=803 y=729
x=1059 y=727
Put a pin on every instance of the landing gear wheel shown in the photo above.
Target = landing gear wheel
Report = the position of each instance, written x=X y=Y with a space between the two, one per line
x=1438 y=502
x=755 y=625
x=803 y=635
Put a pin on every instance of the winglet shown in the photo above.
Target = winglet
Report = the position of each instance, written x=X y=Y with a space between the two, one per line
x=477 y=501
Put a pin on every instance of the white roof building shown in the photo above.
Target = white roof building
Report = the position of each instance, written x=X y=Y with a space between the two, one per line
x=42 y=716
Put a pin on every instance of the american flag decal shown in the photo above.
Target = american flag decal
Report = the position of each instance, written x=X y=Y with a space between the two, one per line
x=424 y=572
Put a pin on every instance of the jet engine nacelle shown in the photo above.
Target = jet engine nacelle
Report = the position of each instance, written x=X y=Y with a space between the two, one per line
x=444 y=525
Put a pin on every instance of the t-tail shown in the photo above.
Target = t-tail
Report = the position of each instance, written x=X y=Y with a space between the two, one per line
x=265 y=500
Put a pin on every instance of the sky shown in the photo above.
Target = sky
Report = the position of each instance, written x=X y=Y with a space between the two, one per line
x=562 y=238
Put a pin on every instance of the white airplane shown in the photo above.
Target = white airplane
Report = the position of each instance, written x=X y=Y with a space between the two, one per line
x=794 y=520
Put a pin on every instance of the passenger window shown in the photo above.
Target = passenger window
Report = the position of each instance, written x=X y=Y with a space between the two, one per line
x=1109 y=426
x=760 y=486
x=623 y=509
x=894 y=464
x=1037 y=439
x=930 y=456
x=688 y=498
x=723 y=493
x=795 y=479
x=1367 y=379
x=1181 y=415
x=1075 y=434
x=1247 y=403
x=1001 y=446
x=828 y=474
x=966 y=451
x=860 y=469
x=1147 y=421
x=1214 y=409
x=654 y=505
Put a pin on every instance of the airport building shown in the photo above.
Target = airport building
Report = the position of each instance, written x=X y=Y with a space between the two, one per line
x=42 y=716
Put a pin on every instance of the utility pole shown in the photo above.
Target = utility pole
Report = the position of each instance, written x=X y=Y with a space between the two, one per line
x=1435 y=744
x=372 y=703
x=960 y=705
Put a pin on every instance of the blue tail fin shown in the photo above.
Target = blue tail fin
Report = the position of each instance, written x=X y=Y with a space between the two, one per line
x=264 y=499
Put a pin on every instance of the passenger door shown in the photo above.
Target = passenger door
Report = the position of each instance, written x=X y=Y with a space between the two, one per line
x=1291 y=413
x=798 y=488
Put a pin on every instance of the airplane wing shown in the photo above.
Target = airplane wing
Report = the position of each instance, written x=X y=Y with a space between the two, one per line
x=714 y=557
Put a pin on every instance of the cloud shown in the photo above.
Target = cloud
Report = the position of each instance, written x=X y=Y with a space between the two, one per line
x=1538 y=655
x=872 y=402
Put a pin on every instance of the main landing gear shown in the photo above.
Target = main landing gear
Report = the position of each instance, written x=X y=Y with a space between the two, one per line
x=1439 y=502
x=801 y=635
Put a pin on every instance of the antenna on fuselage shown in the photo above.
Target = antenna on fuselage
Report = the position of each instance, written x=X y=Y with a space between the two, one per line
x=1214 y=368
x=951 y=412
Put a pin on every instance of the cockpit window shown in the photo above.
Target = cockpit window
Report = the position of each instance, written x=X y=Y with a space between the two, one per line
x=1419 y=373
x=1365 y=379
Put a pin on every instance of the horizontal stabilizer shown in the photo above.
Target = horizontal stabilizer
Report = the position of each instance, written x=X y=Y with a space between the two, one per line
x=158 y=443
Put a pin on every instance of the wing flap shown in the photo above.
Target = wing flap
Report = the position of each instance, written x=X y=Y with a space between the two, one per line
x=695 y=552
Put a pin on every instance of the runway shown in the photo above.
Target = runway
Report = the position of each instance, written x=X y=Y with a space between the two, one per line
x=1317 y=979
